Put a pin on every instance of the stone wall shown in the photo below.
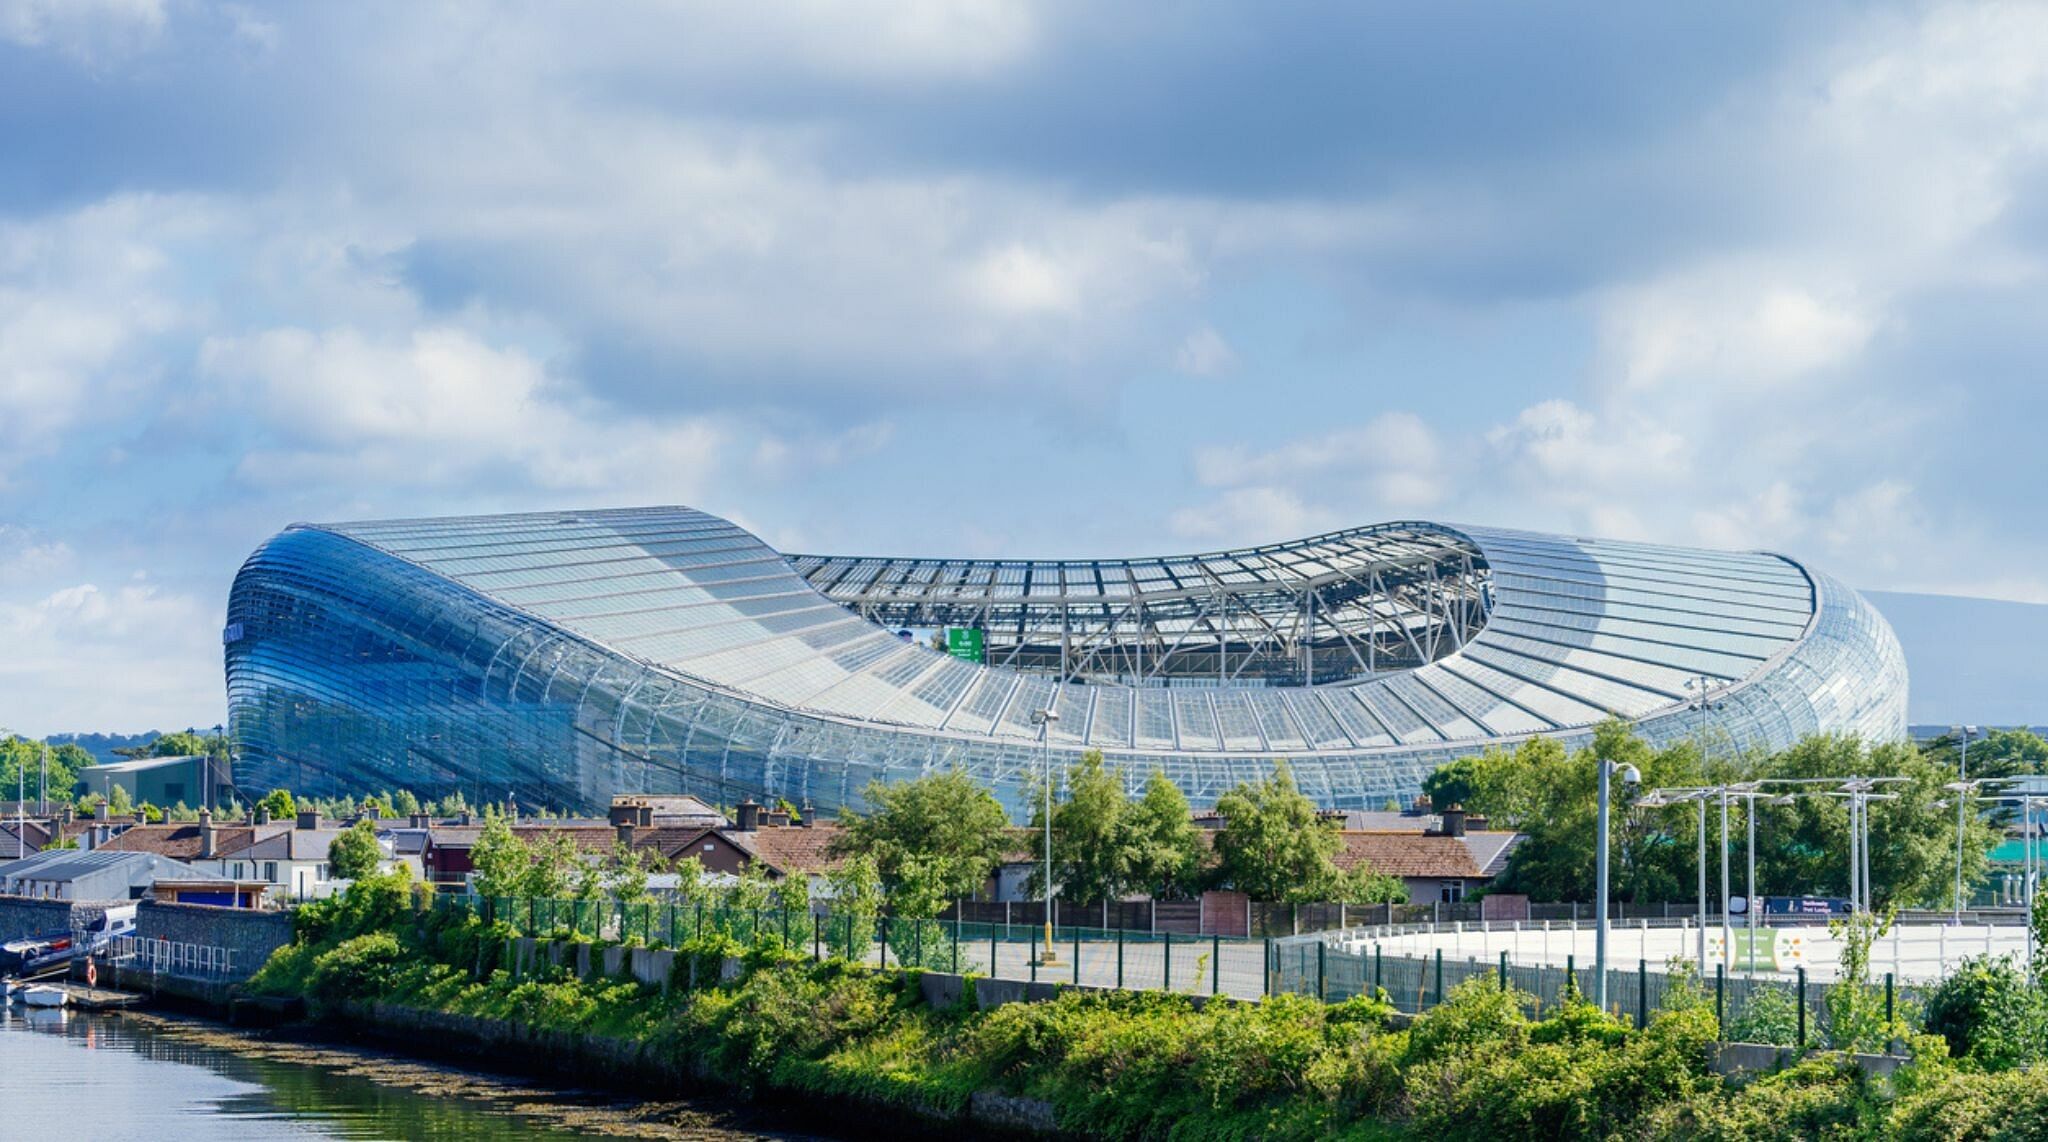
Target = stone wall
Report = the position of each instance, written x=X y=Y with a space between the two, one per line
x=21 y=916
x=250 y=936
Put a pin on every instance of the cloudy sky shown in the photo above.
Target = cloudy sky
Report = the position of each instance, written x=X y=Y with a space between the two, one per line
x=948 y=278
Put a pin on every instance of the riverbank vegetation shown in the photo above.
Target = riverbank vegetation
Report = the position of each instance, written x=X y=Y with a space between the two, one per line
x=1151 y=1065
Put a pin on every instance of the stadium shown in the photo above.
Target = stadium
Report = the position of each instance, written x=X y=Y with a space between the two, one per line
x=562 y=657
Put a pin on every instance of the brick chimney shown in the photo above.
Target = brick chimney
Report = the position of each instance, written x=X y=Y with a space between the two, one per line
x=750 y=816
x=1454 y=821
x=308 y=819
x=809 y=815
x=625 y=834
x=206 y=838
x=262 y=814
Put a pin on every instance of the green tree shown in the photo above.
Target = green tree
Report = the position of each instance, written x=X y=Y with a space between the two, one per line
x=499 y=861
x=280 y=804
x=1091 y=857
x=1164 y=849
x=22 y=767
x=404 y=803
x=185 y=743
x=1365 y=884
x=1272 y=845
x=151 y=814
x=119 y=803
x=355 y=853
x=626 y=877
x=945 y=815
x=1803 y=847
x=1455 y=783
x=856 y=901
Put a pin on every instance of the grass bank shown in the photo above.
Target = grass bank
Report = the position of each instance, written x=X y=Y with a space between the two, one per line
x=1143 y=1065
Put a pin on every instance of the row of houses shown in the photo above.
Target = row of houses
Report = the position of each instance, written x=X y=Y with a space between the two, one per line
x=1440 y=858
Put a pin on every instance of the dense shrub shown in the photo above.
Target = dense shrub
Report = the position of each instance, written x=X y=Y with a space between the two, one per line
x=1988 y=1012
x=360 y=967
x=1963 y=1106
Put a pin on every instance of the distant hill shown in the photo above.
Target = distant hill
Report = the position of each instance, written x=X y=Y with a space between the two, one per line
x=102 y=746
x=1972 y=660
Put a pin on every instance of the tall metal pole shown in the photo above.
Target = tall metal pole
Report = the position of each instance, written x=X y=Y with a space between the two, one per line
x=1600 y=894
x=1855 y=862
x=1726 y=936
x=1749 y=913
x=1869 y=896
x=43 y=783
x=1703 y=886
x=1962 y=792
x=1631 y=776
x=1045 y=719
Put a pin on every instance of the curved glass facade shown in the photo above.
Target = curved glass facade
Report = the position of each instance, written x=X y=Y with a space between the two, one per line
x=563 y=657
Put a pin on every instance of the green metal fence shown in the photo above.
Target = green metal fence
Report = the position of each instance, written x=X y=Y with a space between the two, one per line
x=1090 y=957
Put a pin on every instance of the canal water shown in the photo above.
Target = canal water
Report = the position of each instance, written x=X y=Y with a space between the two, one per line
x=72 y=1075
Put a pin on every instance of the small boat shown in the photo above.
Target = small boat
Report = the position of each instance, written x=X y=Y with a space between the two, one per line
x=40 y=995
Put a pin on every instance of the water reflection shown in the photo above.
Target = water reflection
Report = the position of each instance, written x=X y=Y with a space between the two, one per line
x=76 y=1075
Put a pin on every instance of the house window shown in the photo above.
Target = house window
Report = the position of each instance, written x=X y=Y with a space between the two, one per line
x=270 y=871
x=1453 y=891
x=238 y=870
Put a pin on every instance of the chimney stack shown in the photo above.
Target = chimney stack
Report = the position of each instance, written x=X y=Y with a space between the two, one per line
x=308 y=819
x=808 y=815
x=625 y=834
x=206 y=841
x=750 y=816
x=262 y=814
x=421 y=820
x=1454 y=821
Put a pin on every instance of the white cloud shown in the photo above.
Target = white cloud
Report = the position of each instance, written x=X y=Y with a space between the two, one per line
x=83 y=297
x=1390 y=465
x=442 y=407
x=1244 y=516
x=89 y=30
x=127 y=657
x=1204 y=353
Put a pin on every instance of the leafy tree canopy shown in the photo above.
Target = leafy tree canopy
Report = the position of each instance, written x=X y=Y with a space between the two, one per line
x=1272 y=845
x=355 y=853
x=948 y=816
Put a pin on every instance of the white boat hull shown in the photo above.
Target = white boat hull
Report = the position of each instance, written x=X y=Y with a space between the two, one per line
x=45 y=997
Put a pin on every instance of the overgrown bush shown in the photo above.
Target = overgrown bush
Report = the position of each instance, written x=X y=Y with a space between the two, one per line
x=359 y=967
x=1989 y=1012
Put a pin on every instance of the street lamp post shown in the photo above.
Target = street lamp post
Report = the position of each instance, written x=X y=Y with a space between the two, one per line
x=1630 y=775
x=1044 y=719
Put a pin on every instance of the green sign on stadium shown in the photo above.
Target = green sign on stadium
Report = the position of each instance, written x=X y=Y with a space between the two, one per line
x=967 y=643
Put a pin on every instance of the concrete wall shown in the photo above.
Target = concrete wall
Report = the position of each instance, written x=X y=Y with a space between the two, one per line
x=251 y=936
